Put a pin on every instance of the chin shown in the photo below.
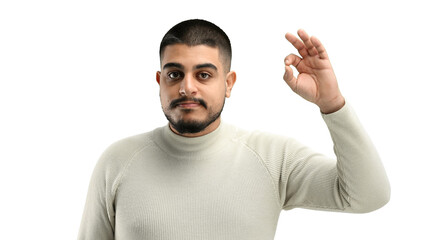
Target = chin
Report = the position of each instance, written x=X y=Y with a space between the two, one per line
x=187 y=124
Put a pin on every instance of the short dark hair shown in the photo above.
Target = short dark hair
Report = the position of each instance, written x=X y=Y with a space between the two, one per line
x=199 y=32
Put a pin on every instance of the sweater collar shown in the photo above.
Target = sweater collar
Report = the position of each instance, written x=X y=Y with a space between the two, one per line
x=178 y=145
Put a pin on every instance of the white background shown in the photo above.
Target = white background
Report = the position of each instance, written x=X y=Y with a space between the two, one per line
x=79 y=75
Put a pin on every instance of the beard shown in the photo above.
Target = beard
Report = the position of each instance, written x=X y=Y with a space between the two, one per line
x=192 y=126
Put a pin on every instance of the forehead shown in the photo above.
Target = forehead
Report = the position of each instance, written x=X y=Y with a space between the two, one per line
x=191 y=55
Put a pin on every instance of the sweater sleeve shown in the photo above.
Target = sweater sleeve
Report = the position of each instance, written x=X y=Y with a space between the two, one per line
x=98 y=221
x=98 y=216
x=353 y=182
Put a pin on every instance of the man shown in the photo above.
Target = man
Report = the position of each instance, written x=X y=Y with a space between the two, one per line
x=199 y=178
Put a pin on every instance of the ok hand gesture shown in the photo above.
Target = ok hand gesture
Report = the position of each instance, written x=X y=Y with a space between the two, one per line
x=316 y=81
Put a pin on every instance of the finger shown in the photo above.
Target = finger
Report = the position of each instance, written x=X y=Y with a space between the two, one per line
x=289 y=77
x=297 y=44
x=320 y=48
x=307 y=41
x=292 y=59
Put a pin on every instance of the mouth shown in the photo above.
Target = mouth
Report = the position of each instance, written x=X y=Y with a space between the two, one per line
x=188 y=103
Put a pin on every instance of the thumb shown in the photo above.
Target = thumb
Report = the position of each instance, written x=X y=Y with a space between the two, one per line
x=289 y=78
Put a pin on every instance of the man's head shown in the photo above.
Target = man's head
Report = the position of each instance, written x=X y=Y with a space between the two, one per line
x=195 y=76
x=199 y=32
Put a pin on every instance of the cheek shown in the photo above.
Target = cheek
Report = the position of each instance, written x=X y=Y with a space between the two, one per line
x=218 y=97
x=164 y=99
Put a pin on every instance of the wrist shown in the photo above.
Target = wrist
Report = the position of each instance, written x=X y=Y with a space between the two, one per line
x=333 y=106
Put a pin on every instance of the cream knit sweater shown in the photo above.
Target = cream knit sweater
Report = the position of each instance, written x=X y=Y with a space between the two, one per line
x=229 y=184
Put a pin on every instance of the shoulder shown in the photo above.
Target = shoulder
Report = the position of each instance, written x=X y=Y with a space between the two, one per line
x=268 y=146
x=260 y=139
x=117 y=155
x=130 y=144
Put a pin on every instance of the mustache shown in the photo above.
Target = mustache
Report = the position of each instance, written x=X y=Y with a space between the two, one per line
x=178 y=101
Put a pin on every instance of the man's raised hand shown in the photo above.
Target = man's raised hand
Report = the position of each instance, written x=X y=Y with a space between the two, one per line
x=316 y=81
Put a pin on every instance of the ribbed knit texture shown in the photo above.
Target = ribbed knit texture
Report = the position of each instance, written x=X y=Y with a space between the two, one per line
x=229 y=184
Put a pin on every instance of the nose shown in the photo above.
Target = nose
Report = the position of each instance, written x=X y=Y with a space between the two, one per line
x=188 y=86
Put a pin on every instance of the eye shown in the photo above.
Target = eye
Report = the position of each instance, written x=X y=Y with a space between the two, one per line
x=204 y=76
x=174 y=75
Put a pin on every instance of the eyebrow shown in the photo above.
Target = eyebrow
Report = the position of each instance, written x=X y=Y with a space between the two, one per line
x=206 y=65
x=180 y=66
x=172 y=64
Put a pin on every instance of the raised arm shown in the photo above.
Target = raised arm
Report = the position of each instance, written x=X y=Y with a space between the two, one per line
x=357 y=181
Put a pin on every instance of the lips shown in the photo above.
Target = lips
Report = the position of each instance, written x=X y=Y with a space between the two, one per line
x=188 y=103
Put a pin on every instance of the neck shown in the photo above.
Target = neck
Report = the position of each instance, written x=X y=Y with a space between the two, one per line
x=210 y=128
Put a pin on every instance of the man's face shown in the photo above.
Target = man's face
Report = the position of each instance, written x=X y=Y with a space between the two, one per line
x=193 y=87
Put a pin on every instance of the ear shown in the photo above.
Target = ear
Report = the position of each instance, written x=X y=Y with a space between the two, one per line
x=158 y=77
x=231 y=77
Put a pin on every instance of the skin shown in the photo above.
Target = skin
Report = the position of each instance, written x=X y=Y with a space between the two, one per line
x=198 y=71
x=194 y=71
x=316 y=81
